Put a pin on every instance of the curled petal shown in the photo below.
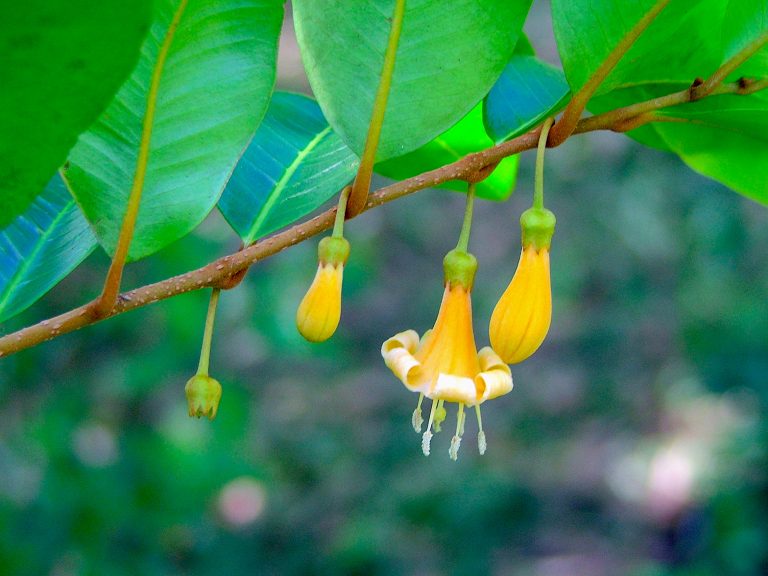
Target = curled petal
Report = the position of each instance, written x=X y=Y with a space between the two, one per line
x=398 y=356
x=495 y=378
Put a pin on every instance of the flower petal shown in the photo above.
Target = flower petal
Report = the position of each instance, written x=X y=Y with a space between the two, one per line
x=398 y=356
x=455 y=389
x=495 y=378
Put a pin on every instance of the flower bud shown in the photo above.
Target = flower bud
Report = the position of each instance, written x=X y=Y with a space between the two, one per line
x=521 y=319
x=319 y=312
x=203 y=395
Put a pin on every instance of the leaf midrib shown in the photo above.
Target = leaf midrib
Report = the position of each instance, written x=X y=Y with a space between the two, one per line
x=27 y=262
x=277 y=191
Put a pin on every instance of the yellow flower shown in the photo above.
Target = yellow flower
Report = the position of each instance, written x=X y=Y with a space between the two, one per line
x=319 y=312
x=444 y=365
x=521 y=319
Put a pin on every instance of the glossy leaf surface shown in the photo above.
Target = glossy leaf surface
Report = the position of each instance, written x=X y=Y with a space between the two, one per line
x=213 y=92
x=62 y=62
x=724 y=137
x=466 y=137
x=528 y=91
x=40 y=247
x=678 y=45
x=450 y=54
x=294 y=163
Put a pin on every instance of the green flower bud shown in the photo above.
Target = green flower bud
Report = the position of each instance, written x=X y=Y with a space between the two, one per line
x=459 y=267
x=203 y=395
x=538 y=226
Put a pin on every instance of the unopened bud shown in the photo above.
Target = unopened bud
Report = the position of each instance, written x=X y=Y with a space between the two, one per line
x=203 y=395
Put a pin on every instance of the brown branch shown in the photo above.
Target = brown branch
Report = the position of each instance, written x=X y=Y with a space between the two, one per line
x=710 y=84
x=620 y=116
x=218 y=274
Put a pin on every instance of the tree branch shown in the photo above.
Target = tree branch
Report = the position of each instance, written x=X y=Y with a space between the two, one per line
x=619 y=116
x=710 y=84
x=218 y=274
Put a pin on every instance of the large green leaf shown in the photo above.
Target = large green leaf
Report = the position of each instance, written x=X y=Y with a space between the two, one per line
x=682 y=43
x=40 y=247
x=724 y=137
x=62 y=61
x=528 y=91
x=214 y=90
x=294 y=163
x=464 y=138
x=450 y=54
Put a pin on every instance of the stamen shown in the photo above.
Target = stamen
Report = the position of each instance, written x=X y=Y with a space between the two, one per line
x=417 y=420
x=453 y=451
x=440 y=415
x=426 y=439
x=481 y=445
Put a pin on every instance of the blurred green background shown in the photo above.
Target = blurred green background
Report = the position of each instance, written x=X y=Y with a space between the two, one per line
x=633 y=442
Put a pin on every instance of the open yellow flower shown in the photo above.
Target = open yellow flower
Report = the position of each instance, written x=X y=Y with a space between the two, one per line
x=521 y=319
x=320 y=310
x=444 y=365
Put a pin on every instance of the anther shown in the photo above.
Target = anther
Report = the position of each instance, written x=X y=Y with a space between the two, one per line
x=481 y=444
x=453 y=451
x=417 y=419
x=426 y=439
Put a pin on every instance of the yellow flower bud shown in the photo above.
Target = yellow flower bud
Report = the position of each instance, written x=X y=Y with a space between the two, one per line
x=319 y=312
x=521 y=319
x=203 y=395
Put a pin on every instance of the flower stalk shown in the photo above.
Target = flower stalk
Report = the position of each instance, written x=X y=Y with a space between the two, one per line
x=203 y=392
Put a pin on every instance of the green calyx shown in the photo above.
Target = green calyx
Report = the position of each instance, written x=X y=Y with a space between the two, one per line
x=459 y=267
x=538 y=226
x=333 y=250
x=203 y=395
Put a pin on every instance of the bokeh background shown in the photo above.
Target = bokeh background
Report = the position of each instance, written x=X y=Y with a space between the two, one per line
x=633 y=442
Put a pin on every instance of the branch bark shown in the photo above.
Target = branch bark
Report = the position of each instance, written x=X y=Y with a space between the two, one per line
x=218 y=274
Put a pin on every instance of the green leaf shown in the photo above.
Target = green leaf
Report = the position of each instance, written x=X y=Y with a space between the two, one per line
x=214 y=90
x=745 y=21
x=528 y=91
x=40 y=247
x=724 y=137
x=62 y=62
x=464 y=138
x=727 y=140
x=294 y=163
x=681 y=44
x=450 y=54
